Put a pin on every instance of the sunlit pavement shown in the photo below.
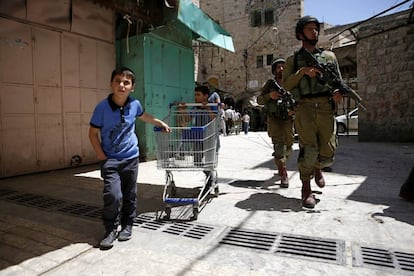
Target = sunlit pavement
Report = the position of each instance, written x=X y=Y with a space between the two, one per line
x=253 y=227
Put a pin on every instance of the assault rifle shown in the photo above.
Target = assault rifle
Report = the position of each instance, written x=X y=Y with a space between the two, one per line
x=284 y=95
x=285 y=101
x=329 y=75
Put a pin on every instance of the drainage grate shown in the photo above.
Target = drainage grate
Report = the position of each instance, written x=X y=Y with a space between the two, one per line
x=405 y=260
x=194 y=231
x=382 y=258
x=189 y=230
x=249 y=239
x=51 y=204
x=177 y=228
x=329 y=250
x=35 y=200
x=198 y=231
x=283 y=244
x=82 y=210
x=148 y=222
x=95 y=214
x=6 y=192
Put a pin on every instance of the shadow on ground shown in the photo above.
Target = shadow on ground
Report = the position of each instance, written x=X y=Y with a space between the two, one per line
x=385 y=166
x=270 y=202
x=42 y=213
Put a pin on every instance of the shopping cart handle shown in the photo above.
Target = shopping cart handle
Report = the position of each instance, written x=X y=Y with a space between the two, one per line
x=177 y=200
x=183 y=104
x=156 y=128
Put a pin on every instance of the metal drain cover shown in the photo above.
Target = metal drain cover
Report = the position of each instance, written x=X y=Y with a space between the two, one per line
x=249 y=239
x=328 y=250
x=34 y=200
x=82 y=210
x=364 y=256
x=185 y=229
x=5 y=192
x=148 y=222
x=51 y=204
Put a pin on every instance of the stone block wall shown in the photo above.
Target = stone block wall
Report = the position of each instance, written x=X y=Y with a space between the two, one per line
x=385 y=56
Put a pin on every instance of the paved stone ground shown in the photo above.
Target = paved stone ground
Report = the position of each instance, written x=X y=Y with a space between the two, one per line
x=50 y=224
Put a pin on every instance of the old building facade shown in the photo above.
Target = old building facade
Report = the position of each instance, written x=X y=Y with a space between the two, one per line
x=261 y=30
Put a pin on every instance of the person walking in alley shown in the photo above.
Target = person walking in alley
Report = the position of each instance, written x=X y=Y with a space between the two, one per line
x=316 y=103
x=279 y=114
x=245 y=122
x=229 y=118
x=222 y=119
x=113 y=138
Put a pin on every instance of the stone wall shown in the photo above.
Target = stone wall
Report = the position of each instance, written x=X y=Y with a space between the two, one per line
x=238 y=72
x=385 y=56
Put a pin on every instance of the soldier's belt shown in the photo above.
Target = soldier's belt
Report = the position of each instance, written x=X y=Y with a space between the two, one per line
x=279 y=115
x=319 y=95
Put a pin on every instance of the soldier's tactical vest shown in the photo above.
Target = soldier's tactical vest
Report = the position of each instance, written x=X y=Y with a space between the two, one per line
x=276 y=108
x=311 y=87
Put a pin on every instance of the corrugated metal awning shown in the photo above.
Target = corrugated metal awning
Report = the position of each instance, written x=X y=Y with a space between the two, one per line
x=203 y=25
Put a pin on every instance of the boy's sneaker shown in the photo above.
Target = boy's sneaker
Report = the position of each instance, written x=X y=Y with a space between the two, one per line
x=125 y=233
x=109 y=239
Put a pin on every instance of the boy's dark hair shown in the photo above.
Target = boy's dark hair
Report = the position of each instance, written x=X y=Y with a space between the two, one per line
x=203 y=89
x=124 y=71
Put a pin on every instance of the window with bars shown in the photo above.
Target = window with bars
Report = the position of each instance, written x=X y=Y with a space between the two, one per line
x=262 y=17
x=256 y=18
x=259 y=61
x=269 y=59
x=268 y=17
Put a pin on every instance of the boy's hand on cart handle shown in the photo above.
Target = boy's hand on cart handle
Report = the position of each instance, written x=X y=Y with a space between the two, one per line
x=165 y=127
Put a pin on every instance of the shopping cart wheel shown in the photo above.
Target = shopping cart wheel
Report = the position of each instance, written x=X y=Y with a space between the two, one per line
x=172 y=189
x=195 y=213
x=216 y=190
x=167 y=213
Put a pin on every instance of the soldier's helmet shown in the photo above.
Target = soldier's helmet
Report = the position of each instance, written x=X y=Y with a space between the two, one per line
x=302 y=22
x=276 y=62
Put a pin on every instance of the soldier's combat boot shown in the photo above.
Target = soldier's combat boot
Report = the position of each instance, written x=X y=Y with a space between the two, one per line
x=308 y=201
x=284 y=180
x=319 y=180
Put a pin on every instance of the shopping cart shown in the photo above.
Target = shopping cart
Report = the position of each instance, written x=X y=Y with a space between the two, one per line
x=190 y=146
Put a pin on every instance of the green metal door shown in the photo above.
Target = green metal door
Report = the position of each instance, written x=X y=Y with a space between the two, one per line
x=165 y=74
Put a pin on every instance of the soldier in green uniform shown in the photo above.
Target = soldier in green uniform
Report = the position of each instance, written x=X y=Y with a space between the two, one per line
x=278 y=105
x=314 y=113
